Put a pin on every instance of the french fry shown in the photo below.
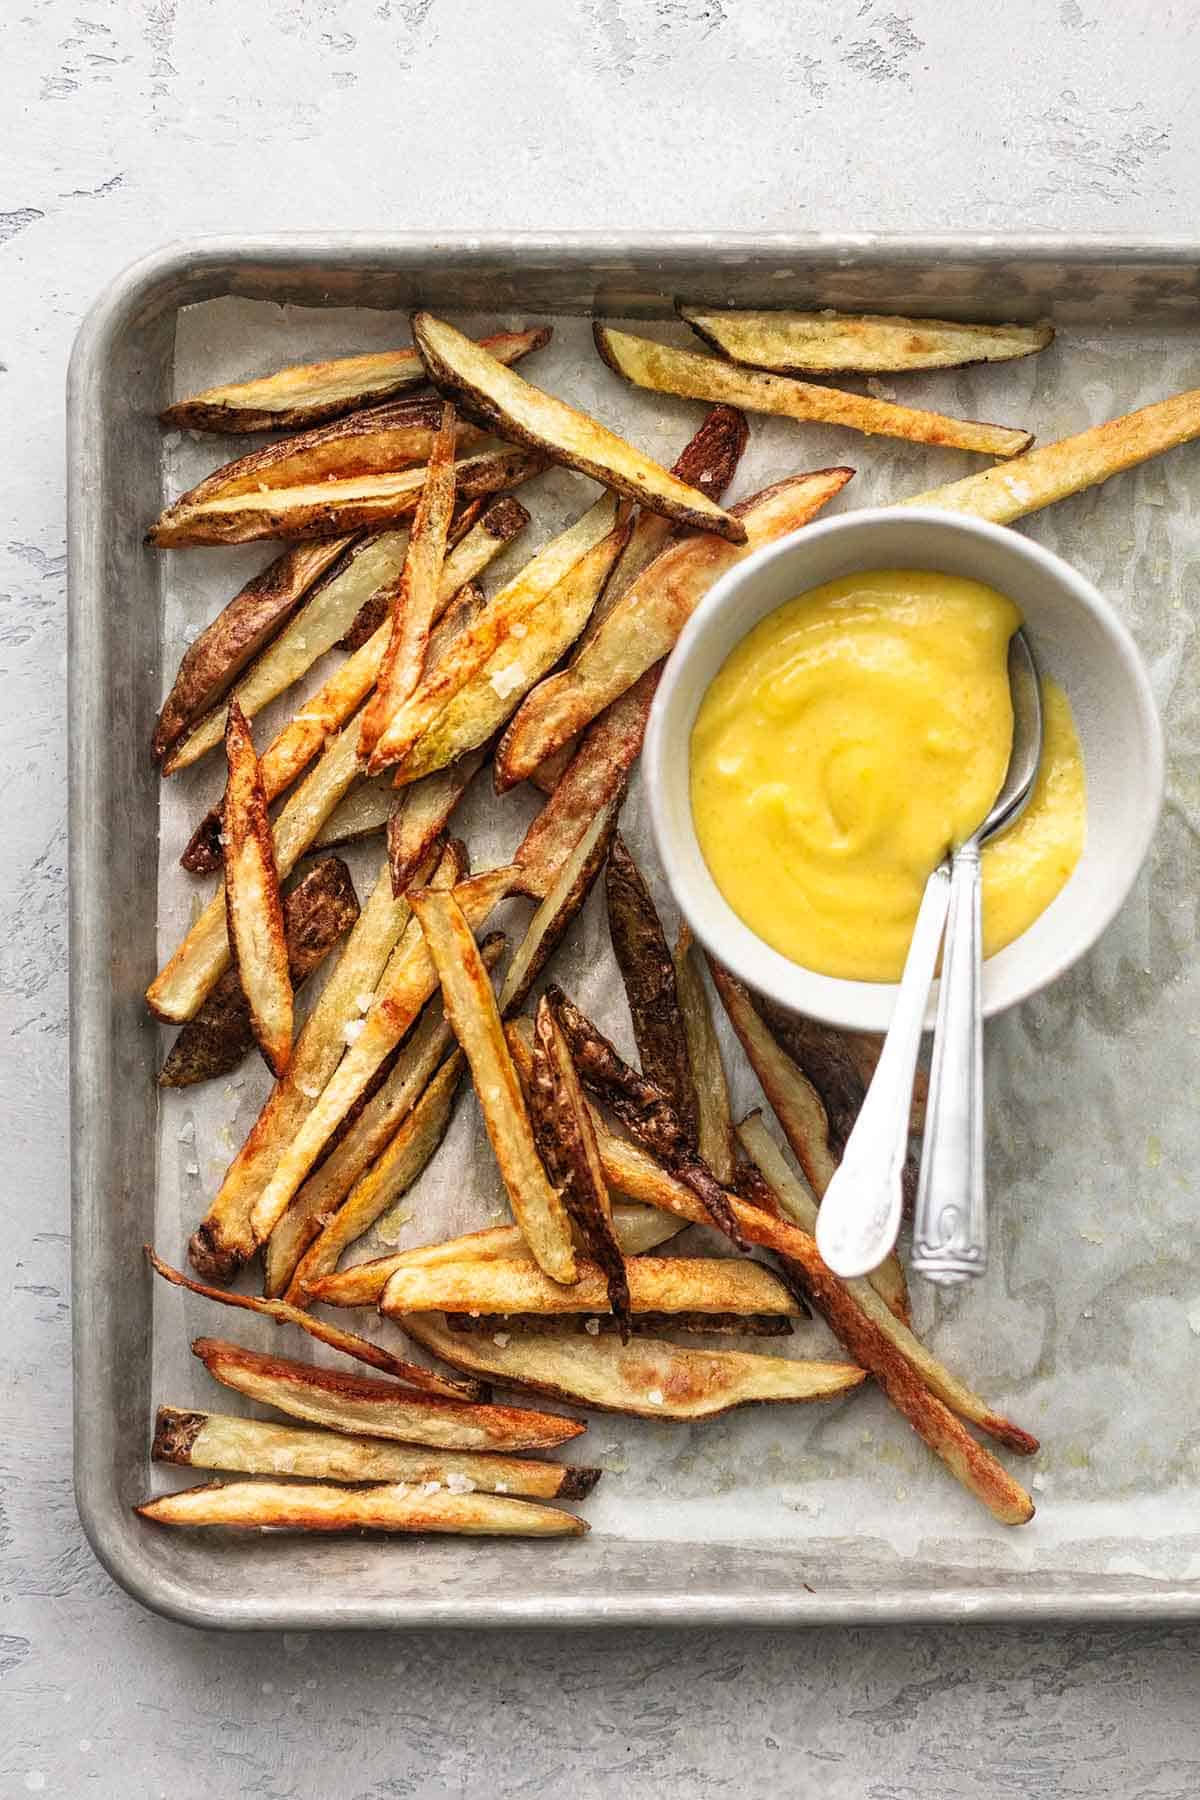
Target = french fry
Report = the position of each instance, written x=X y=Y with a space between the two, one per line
x=666 y=369
x=213 y=661
x=367 y=1139
x=523 y=414
x=649 y=1378
x=714 y=1119
x=564 y=899
x=832 y=343
x=418 y=814
x=1056 y=471
x=375 y=611
x=225 y=1238
x=253 y=908
x=644 y=959
x=564 y=1136
x=471 y=1008
x=299 y=1506
x=329 y=508
x=513 y=606
x=320 y=909
x=364 y=812
x=203 y=1440
x=648 y=1324
x=659 y=1284
x=414 y=603
x=643 y=626
x=360 y=1404
x=637 y=1228
x=306 y=394
x=492 y=695
x=414 y=1375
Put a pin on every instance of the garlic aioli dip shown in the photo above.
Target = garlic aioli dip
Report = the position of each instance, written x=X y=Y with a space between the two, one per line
x=853 y=737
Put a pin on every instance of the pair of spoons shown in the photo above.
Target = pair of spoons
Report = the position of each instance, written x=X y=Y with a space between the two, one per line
x=859 y=1219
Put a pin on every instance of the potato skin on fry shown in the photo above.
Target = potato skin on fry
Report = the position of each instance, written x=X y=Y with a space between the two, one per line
x=297 y=1506
x=253 y=909
x=644 y=959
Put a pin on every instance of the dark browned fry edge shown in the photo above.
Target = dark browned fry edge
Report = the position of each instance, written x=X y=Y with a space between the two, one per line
x=577 y=1483
x=374 y=610
x=644 y=959
x=256 y=823
x=709 y=459
x=651 y=1324
x=174 y=1434
x=413 y=825
x=643 y=1108
x=555 y=926
x=318 y=911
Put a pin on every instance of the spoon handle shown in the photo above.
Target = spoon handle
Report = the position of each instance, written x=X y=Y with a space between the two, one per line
x=860 y=1213
x=950 y=1226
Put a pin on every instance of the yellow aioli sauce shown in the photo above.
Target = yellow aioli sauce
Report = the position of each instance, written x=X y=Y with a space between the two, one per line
x=848 y=741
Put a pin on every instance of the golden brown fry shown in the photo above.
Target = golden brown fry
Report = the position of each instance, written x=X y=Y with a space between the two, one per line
x=328 y=508
x=308 y=393
x=651 y=1379
x=317 y=912
x=713 y=1115
x=426 y=1381
x=659 y=1284
x=418 y=814
x=365 y=811
x=299 y=1506
x=666 y=369
x=359 y=1403
x=203 y=1440
x=1056 y=471
x=471 y=1008
x=644 y=959
x=253 y=909
x=832 y=343
x=375 y=611
x=523 y=414
x=644 y=624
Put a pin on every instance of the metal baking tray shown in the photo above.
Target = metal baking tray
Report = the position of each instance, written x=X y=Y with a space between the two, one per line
x=1088 y=1326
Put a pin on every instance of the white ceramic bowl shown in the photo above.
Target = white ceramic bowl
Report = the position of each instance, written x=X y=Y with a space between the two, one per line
x=1077 y=638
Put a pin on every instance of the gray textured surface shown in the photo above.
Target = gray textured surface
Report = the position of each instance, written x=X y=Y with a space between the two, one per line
x=128 y=122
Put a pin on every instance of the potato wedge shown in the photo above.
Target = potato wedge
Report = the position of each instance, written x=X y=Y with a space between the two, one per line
x=666 y=369
x=649 y=1378
x=418 y=814
x=412 y=1374
x=320 y=909
x=1056 y=471
x=643 y=626
x=204 y=1440
x=375 y=611
x=328 y=508
x=523 y=414
x=493 y=694
x=224 y=1239
x=512 y=607
x=644 y=959
x=648 y=1324
x=660 y=1284
x=714 y=1117
x=471 y=1008
x=253 y=908
x=299 y=1506
x=564 y=899
x=833 y=343
x=309 y=393
x=363 y=813
x=214 y=660
x=359 y=1403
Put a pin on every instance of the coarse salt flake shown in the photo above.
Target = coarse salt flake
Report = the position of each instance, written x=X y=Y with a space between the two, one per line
x=459 y=1484
x=507 y=681
x=501 y=1487
x=353 y=1029
x=431 y=1487
x=501 y=1340
x=592 y=1327
x=363 y=1002
x=655 y=1396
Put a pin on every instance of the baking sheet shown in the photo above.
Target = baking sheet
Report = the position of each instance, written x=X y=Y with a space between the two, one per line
x=1087 y=1327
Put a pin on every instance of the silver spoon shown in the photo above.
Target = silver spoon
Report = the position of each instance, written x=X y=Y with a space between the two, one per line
x=859 y=1219
x=950 y=1221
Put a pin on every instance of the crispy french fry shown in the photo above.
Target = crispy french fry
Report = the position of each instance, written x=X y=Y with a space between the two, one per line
x=644 y=959
x=253 y=908
x=492 y=695
x=202 y=1440
x=1056 y=471
x=666 y=369
x=418 y=814
x=638 y=1229
x=308 y=393
x=329 y=508
x=523 y=414
x=414 y=1375
x=376 y=610
x=832 y=343
x=651 y=1379
x=648 y=1324
x=299 y=1506
x=644 y=624
x=714 y=1118
x=225 y=1238
x=471 y=1008
x=320 y=909
x=564 y=899
x=513 y=606
x=659 y=1284
x=364 y=812
x=414 y=603
x=359 y=1403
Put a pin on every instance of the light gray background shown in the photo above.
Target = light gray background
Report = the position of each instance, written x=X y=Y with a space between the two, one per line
x=128 y=122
